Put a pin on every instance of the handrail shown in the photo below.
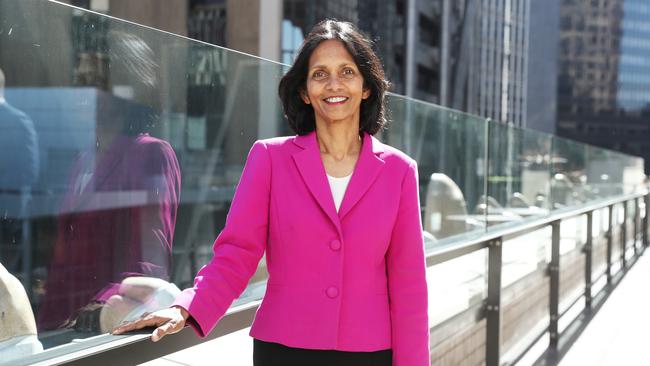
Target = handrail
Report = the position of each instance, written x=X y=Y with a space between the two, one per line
x=137 y=348
x=472 y=244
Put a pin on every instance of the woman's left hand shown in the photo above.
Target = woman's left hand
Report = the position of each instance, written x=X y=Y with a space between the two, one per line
x=166 y=321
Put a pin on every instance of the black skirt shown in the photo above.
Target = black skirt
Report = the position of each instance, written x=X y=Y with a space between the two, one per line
x=275 y=354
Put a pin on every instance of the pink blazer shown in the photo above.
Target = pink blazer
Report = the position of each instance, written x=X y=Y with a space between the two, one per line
x=351 y=281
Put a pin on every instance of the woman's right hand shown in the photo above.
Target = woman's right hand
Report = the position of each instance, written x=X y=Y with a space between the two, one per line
x=166 y=321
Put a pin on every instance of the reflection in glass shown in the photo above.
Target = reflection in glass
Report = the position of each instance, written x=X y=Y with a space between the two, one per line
x=116 y=220
x=19 y=160
x=19 y=171
x=519 y=178
x=450 y=149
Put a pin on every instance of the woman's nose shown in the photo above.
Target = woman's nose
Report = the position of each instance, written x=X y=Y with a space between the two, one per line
x=334 y=83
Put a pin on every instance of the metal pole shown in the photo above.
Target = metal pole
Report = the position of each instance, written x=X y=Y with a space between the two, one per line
x=610 y=234
x=645 y=220
x=445 y=100
x=554 y=273
x=624 y=237
x=588 y=259
x=493 y=308
x=410 y=79
x=637 y=215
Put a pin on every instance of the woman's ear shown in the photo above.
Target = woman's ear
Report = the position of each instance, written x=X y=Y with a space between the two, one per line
x=365 y=94
x=304 y=96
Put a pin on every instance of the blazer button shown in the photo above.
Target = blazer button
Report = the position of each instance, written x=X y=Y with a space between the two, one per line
x=335 y=244
x=332 y=292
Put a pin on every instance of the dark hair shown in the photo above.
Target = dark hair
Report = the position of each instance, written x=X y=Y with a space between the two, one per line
x=134 y=118
x=301 y=115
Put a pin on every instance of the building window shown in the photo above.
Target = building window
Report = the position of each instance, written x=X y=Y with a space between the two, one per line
x=81 y=3
x=429 y=31
x=427 y=80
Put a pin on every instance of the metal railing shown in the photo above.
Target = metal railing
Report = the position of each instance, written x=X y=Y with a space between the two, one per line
x=134 y=349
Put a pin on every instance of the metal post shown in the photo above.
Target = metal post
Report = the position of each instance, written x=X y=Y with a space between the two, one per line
x=610 y=235
x=493 y=308
x=588 y=259
x=645 y=220
x=624 y=237
x=554 y=273
x=637 y=215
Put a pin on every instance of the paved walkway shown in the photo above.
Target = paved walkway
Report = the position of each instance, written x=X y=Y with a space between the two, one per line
x=618 y=334
x=235 y=349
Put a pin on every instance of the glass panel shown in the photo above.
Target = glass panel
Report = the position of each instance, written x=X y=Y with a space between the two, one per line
x=519 y=175
x=610 y=173
x=601 y=177
x=525 y=284
x=568 y=183
x=450 y=149
x=100 y=116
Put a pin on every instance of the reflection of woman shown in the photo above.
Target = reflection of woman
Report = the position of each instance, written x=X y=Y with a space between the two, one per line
x=117 y=217
x=338 y=215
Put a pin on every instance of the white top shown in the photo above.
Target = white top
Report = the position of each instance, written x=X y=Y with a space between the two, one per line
x=338 y=186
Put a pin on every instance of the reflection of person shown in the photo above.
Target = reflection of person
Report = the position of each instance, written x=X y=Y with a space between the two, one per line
x=18 y=146
x=135 y=296
x=117 y=219
x=338 y=214
x=19 y=168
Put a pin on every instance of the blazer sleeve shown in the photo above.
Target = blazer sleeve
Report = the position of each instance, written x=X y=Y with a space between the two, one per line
x=237 y=250
x=407 y=287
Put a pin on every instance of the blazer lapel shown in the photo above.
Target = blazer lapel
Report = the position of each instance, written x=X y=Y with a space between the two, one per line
x=365 y=172
x=312 y=170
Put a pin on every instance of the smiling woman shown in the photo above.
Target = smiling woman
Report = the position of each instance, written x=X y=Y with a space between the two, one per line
x=334 y=52
x=337 y=213
x=334 y=89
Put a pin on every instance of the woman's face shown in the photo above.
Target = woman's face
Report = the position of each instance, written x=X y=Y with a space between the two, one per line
x=334 y=84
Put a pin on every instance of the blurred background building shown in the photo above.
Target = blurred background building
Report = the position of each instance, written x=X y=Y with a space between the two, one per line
x=575 y=68
x=604 y=88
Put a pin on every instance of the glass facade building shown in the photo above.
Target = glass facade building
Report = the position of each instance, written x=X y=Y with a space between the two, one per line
x=486 y=47
x=633 y=94
x=603 y=85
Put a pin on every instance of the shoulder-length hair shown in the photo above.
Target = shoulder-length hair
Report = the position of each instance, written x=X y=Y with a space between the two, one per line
x=373 y=110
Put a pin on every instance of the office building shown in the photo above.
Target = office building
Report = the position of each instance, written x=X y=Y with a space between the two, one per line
x=603 y=84
x=485 y=54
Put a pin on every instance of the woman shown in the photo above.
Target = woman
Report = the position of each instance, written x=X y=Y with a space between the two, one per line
x=346 y=271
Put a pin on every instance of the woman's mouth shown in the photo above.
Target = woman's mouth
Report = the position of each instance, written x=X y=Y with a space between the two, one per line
x=335 y=100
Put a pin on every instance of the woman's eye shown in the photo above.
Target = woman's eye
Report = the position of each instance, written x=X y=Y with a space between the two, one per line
x=348 y=72
x=319 y=75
